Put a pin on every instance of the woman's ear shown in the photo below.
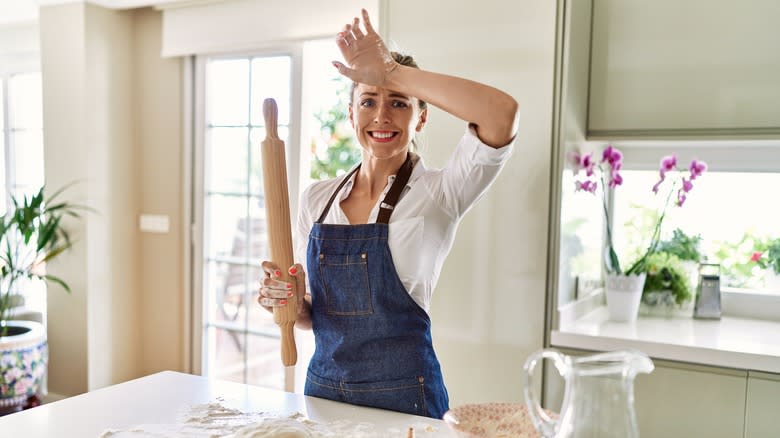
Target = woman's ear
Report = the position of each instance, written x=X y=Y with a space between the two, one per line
x=423 y=118
x=351 y=120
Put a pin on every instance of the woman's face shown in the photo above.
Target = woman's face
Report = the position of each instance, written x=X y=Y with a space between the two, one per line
x=385 y=121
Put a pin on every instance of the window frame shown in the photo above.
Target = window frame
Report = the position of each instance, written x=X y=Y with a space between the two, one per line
x=9 y=146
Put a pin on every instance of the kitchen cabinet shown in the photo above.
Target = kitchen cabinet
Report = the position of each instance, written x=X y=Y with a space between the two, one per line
x=678 y=400
x=763 y=404
x=681 y=68
x=683 y=400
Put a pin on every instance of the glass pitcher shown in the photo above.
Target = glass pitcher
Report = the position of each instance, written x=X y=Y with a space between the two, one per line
x=598 y=398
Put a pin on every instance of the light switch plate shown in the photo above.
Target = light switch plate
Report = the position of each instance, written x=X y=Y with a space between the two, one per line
x=154 y=223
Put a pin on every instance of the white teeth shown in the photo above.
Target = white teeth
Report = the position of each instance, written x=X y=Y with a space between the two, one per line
x=382 y=134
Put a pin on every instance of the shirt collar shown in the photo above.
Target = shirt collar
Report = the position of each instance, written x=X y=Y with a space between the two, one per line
x=417 y=171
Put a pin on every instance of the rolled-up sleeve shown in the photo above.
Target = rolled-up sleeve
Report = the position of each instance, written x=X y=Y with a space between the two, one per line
x=471 y=169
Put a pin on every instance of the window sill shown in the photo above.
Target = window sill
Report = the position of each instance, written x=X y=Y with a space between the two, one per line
x=731 y=342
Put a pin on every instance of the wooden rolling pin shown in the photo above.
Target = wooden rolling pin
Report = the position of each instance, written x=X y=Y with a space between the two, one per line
x=277 y=212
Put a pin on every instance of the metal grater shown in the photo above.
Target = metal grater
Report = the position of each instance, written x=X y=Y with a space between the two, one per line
x=708 y=293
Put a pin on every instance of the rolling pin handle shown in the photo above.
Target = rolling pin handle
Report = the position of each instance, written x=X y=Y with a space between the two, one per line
x=270 y=112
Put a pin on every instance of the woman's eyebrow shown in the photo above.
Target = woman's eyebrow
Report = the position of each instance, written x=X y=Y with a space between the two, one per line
x=402 y=96
x=394 y=95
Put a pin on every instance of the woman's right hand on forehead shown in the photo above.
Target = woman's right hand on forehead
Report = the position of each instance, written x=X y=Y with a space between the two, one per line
x=368 y=60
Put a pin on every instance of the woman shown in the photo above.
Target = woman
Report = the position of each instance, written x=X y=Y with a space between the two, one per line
x=377 y=238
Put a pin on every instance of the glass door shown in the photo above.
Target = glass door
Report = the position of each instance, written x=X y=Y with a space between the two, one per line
x=240 y=341
x=235 y=339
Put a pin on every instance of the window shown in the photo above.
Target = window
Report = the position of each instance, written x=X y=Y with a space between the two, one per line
x=729 y=210
x=240 y=341
x=21 y=126
x=730 y=207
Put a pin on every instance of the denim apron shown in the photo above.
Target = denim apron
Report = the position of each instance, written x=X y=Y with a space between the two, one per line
x=372 y=340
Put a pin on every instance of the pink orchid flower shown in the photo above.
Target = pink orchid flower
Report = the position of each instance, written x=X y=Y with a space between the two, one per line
x=697 y=168
x=586 y=186
x=756 y=256
x=611 y=156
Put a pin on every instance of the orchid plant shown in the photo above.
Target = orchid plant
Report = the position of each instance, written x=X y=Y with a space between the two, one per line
x=606 y=172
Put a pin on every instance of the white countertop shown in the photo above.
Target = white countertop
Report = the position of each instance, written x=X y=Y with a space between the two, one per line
x=160 y=399
x=745 y=344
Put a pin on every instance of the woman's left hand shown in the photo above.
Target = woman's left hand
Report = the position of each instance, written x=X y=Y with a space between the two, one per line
x=369 y=60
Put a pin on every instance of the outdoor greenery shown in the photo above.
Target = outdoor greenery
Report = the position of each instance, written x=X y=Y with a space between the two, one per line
x=341 y=152
x=31 y=234
x=767 y=254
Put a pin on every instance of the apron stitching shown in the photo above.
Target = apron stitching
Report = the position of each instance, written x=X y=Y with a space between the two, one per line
x=394 y=388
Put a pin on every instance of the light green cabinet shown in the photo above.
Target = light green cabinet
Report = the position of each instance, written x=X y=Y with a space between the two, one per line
x=690 y=401
x=683 y=400
x=686 y=400
x=763 y=406
x=664 y=66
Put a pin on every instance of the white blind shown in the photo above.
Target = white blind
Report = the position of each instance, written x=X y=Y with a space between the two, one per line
x=19 y=48
x=250 y=24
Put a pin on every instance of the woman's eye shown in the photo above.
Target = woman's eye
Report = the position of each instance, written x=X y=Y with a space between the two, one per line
x=399 y=104
x=366 y=103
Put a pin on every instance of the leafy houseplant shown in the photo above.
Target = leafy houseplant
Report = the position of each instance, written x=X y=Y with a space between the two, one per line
x=685 y=247
x=665 y=272
x=31 y=234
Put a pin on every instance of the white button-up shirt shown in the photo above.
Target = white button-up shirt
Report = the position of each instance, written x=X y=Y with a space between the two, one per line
x=423 y=223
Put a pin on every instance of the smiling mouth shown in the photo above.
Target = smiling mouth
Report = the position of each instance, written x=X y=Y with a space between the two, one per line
x=382 y=135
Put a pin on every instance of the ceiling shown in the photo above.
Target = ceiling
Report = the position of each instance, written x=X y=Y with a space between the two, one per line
x=21 y=11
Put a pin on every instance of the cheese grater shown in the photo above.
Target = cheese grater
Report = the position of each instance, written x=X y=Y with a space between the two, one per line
x=708 y=293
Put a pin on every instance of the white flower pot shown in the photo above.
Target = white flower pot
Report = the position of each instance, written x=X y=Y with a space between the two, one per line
x=624 y=293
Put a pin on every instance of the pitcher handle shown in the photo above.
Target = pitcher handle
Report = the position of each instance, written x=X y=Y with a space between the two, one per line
x=546 y=425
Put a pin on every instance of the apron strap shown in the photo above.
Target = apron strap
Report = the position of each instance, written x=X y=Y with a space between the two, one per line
x=336 y=192
x=388 y=203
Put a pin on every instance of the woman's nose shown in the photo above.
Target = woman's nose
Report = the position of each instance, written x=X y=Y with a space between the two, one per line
x=382 y=114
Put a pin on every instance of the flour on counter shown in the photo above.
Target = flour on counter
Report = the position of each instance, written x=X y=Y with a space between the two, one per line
x=214 y=420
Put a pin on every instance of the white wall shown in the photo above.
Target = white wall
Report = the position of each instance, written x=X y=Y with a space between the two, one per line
x=63 y=64
x=488 y=309
x=91 y=126
x=159 y=112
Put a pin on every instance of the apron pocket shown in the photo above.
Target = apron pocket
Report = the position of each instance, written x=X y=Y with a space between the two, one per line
x=402 y=395
x=345 y=280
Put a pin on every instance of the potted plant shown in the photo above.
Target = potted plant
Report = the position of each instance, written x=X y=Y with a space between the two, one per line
x=688 y=249
x=31 y=234
x=623 y=287
x=667 y=290
x=685 y=247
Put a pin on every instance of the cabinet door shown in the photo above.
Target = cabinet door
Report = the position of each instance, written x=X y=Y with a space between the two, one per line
x=690 y=401
x=700 y=65
x=763 y=405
